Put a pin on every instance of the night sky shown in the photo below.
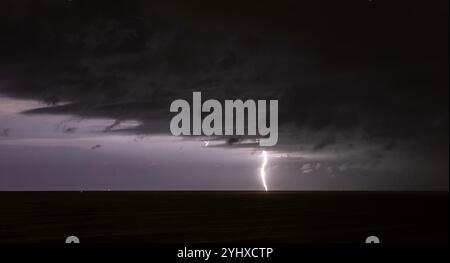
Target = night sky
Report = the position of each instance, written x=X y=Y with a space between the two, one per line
x=85 y=90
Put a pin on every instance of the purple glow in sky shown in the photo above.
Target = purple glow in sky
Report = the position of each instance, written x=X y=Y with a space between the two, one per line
x=55 y=152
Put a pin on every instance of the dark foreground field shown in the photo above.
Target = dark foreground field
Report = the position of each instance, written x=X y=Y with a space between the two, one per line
x=223 y=216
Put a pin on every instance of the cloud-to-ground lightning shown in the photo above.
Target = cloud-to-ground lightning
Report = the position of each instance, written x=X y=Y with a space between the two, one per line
x=263 y=170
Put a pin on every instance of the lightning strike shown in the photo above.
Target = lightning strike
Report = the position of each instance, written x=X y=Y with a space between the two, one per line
x=263 y=170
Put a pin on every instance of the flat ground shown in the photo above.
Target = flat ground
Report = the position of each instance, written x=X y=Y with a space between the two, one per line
x=192 y=217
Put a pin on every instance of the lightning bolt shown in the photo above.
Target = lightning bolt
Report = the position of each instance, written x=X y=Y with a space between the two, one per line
x=263 y=170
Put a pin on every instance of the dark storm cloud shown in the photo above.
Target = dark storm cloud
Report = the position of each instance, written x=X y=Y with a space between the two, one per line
x=378 y=67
